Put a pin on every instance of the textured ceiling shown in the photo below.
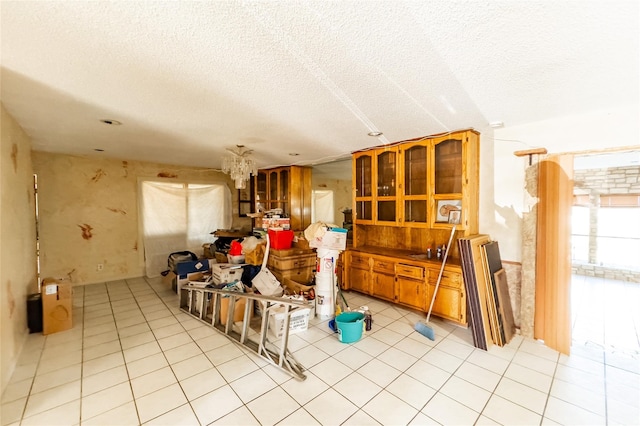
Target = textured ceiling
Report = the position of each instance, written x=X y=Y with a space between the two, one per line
x=189 y=79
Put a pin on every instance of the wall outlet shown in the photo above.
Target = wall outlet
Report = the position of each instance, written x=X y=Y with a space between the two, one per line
x=99 y=267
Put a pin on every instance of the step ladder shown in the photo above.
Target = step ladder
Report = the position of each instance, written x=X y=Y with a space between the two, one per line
x=205 y=304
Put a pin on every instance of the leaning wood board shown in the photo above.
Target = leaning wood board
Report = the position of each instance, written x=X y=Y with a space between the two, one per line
x=476 y=242
x=492 y=308
x=473 y=304
x=505 y=304
x=476 y=285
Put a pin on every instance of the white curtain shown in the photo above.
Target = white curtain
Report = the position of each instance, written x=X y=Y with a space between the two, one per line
x=322 y=209
x=179 y=216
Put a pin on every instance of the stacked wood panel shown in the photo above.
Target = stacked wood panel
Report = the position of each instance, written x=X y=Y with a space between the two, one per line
x=490 y=312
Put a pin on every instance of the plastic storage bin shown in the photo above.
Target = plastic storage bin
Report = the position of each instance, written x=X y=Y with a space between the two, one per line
x=280 y=239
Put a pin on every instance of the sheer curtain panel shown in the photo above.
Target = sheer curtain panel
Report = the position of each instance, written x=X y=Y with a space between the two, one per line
x=179 y=216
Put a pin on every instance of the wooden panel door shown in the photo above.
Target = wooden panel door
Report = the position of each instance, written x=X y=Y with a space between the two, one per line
x=552 y=321
x=411 y=292
x=359 y=280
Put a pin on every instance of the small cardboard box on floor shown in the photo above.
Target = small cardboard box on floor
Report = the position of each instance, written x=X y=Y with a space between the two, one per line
x=57 y=305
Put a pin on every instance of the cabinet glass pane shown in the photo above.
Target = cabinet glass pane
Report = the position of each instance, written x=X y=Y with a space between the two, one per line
x=448 y=173
x=363 y=176
x=284 y=185
x=387 y=211
x=386 y=174
x=415 y=170
x=415 y=211
x=363 y=210
x=261 y=192
x=273 y=186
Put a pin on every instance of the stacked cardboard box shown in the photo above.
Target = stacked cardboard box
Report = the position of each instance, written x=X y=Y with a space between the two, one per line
x=299 y=266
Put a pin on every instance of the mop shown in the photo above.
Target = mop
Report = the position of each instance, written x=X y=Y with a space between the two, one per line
x=424 y=328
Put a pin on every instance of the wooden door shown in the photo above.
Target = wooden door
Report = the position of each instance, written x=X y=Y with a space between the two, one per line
x=552 y=321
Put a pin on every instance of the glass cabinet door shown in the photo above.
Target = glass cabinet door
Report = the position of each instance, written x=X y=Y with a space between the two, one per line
x=448 y=166
x=415 y=185
x=363 y=179
x=273 y=190
x=386 y=186
x=261 y=192
x=387 y=174
x=364 y=174
x=283 y=195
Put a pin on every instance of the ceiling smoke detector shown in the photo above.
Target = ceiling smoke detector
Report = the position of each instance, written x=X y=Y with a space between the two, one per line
x=375 y=134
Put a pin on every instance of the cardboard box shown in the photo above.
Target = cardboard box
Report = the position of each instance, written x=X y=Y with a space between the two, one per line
x=238 y=313
x=291 y=262
x=299 y=321
x=208 y=250
x=301 y=275
x=294 y=251
x=296 y=287
x=226 y=272
x=57 y=302
x=333 y=239
x=300 y=242
x=194 y=276
x=274 y=222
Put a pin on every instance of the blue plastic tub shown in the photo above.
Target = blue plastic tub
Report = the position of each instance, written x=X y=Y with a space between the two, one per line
x=349 y=326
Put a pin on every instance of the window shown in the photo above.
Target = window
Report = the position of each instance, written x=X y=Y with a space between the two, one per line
x=179 y=216
x=322 y=209
x=617 y=237
x=580 y=234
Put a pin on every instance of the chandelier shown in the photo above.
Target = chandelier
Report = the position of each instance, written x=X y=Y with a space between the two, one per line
x=239 y=165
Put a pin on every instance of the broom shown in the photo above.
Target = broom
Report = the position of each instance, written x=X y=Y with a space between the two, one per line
x=424 y=328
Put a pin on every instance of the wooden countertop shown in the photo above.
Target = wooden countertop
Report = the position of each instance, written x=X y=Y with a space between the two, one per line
x=406 y=255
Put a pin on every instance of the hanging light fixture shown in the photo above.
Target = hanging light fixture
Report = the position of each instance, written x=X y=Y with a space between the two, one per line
x=239 y=165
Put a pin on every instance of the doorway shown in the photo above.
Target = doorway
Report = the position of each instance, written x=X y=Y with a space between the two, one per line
x=605 y=242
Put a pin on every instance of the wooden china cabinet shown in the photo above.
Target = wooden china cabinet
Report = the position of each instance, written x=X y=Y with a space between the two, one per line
x=406 y=197
x=287 y=188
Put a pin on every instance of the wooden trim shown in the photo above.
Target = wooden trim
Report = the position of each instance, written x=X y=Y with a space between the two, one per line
x=530 y=152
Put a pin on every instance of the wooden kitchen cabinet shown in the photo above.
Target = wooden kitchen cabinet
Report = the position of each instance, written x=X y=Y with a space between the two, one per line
x=287 y=188
x=411 y=285
x=383 y=283
x=403 y=194
x=359 y=272
x=417 y=183
x=451 y=302
x=363 y=186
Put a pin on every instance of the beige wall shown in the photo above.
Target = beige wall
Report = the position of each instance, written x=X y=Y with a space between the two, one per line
x=89 y=214
x=17 y=241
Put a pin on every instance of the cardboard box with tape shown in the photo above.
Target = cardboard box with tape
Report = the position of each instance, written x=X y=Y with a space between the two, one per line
x=57 y=305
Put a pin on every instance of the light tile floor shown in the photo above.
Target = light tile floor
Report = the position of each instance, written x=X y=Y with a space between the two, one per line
x=133 y=358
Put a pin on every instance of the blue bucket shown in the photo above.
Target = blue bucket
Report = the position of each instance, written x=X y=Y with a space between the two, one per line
x=349 y=326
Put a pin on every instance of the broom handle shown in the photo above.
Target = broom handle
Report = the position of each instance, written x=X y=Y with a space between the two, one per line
x=444 y=260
